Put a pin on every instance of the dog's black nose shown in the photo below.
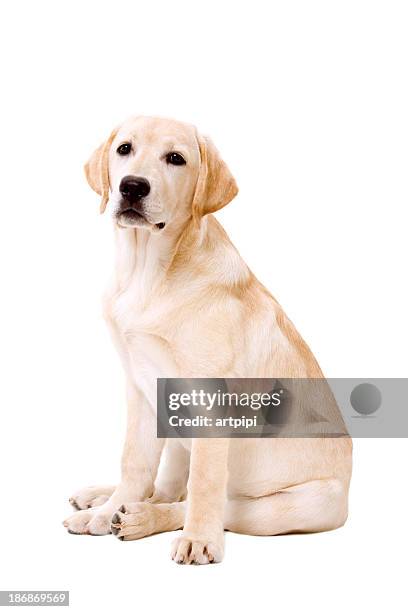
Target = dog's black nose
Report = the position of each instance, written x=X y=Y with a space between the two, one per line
x=134 y=188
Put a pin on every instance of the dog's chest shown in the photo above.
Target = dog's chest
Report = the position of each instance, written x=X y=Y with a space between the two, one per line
x=136 y=323
x=166 y=326
x=127 y=306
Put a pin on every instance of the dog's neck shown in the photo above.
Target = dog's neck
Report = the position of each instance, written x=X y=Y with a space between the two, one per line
x=145 y=257
x=148 y=261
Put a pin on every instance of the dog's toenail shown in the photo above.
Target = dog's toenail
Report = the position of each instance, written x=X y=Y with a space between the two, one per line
x=122 y=509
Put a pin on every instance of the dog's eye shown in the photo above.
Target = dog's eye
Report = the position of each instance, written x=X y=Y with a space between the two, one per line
x=175 y=159
x=124 y=148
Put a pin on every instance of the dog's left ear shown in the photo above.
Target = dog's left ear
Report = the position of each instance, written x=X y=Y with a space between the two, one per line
x=97 y=171
x=216 y=186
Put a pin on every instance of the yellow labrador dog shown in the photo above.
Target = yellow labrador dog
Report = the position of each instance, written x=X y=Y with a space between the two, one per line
x=183 y=303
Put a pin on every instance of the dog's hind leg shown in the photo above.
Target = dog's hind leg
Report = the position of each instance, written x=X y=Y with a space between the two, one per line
x=141 y=519
x=171 y=481
x=89 y=497
x=317 y=505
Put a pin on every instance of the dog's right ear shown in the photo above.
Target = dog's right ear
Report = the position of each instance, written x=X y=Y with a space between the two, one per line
x=97 y=171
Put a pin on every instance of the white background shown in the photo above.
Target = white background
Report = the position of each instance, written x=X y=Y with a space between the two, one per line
x=307 y=102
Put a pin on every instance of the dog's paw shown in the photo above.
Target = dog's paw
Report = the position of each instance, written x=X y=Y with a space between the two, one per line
x=89 y=522
x=89 y=497
x=189 y=550
x=134 y=521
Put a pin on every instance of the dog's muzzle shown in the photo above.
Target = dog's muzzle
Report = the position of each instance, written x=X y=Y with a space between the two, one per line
x=134 y=190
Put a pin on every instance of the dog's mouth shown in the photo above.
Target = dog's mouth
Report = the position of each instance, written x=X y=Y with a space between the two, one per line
x=132 y=218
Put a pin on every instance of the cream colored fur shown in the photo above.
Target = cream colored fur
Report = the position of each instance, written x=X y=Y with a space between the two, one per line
x=183 y=303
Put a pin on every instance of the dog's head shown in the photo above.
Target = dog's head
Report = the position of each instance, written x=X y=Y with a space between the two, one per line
x=155 y=173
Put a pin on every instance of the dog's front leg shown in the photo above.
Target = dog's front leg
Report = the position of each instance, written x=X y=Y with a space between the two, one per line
x=202 y=540
x=140 y=461
x=141 y=452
